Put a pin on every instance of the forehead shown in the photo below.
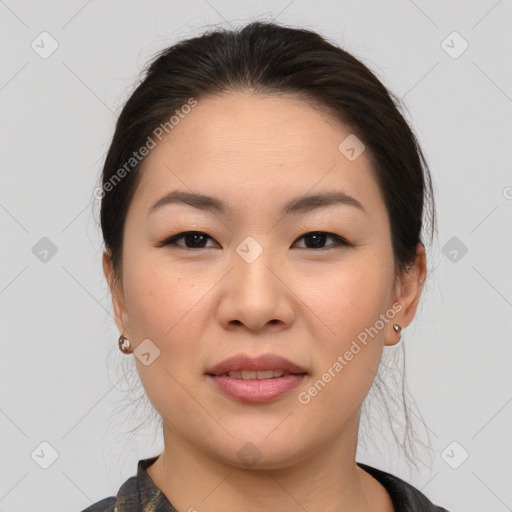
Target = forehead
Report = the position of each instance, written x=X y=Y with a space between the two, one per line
x=243 y=145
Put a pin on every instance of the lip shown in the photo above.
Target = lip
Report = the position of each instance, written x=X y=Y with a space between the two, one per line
x=263 y=362
x=256 y=390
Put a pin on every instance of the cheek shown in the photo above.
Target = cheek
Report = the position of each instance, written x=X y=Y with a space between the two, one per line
x=350 y=302
x=351 y=297
x=165 y=307
x=162 y=299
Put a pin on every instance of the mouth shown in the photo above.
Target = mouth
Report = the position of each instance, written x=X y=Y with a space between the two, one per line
x=257 y=380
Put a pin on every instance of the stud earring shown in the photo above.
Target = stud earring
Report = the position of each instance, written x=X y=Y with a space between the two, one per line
x=124 y=345
x=397 y=328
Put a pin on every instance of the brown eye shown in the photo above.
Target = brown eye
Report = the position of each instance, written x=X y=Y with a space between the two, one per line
x=317 y=239
x=193 y=239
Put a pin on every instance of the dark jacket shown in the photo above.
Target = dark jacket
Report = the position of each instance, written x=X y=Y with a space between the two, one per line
x=139 y=493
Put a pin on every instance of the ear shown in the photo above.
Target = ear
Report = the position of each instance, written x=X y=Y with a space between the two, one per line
x=407 y=293
x=116 y=290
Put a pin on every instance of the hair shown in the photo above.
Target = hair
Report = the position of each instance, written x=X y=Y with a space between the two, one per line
x=264 y=57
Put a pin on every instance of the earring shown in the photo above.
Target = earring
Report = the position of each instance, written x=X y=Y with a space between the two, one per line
x=124 y=345
x=397 y=328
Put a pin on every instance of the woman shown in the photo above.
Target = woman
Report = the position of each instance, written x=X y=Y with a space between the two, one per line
x=262 y=207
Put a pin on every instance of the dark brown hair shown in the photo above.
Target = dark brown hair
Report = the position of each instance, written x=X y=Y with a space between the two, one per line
x=268 y=58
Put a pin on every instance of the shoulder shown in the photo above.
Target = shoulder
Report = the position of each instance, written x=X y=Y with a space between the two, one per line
x=127 y=499
x=105 y=505
x=403 y=495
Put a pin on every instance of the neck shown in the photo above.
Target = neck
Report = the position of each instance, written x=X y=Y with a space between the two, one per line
x=328 y=480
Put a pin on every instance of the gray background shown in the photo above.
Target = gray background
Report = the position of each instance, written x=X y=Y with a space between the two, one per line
x=61 y=371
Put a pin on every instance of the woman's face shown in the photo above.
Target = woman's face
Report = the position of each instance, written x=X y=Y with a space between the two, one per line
x=250 y=284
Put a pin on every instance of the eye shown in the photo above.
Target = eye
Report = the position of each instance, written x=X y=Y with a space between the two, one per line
x=317 y=240
x=313 y=239
x=193 y=239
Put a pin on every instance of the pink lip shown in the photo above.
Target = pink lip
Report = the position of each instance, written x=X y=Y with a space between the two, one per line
x=256 y=390
x=263 y=362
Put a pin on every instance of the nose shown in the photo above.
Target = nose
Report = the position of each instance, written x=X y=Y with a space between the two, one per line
x=256 y=294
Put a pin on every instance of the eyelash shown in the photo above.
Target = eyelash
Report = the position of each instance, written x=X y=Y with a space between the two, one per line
x=338 y=240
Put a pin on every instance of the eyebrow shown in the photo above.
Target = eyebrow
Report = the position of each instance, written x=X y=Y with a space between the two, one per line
x=297 y=205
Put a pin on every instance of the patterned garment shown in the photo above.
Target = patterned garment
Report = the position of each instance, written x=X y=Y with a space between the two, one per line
x=140 y=494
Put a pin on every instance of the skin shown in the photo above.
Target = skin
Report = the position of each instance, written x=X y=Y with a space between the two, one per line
x=200 y=306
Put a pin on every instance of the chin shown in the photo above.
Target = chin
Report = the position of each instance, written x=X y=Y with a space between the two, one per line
x=257 y=451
